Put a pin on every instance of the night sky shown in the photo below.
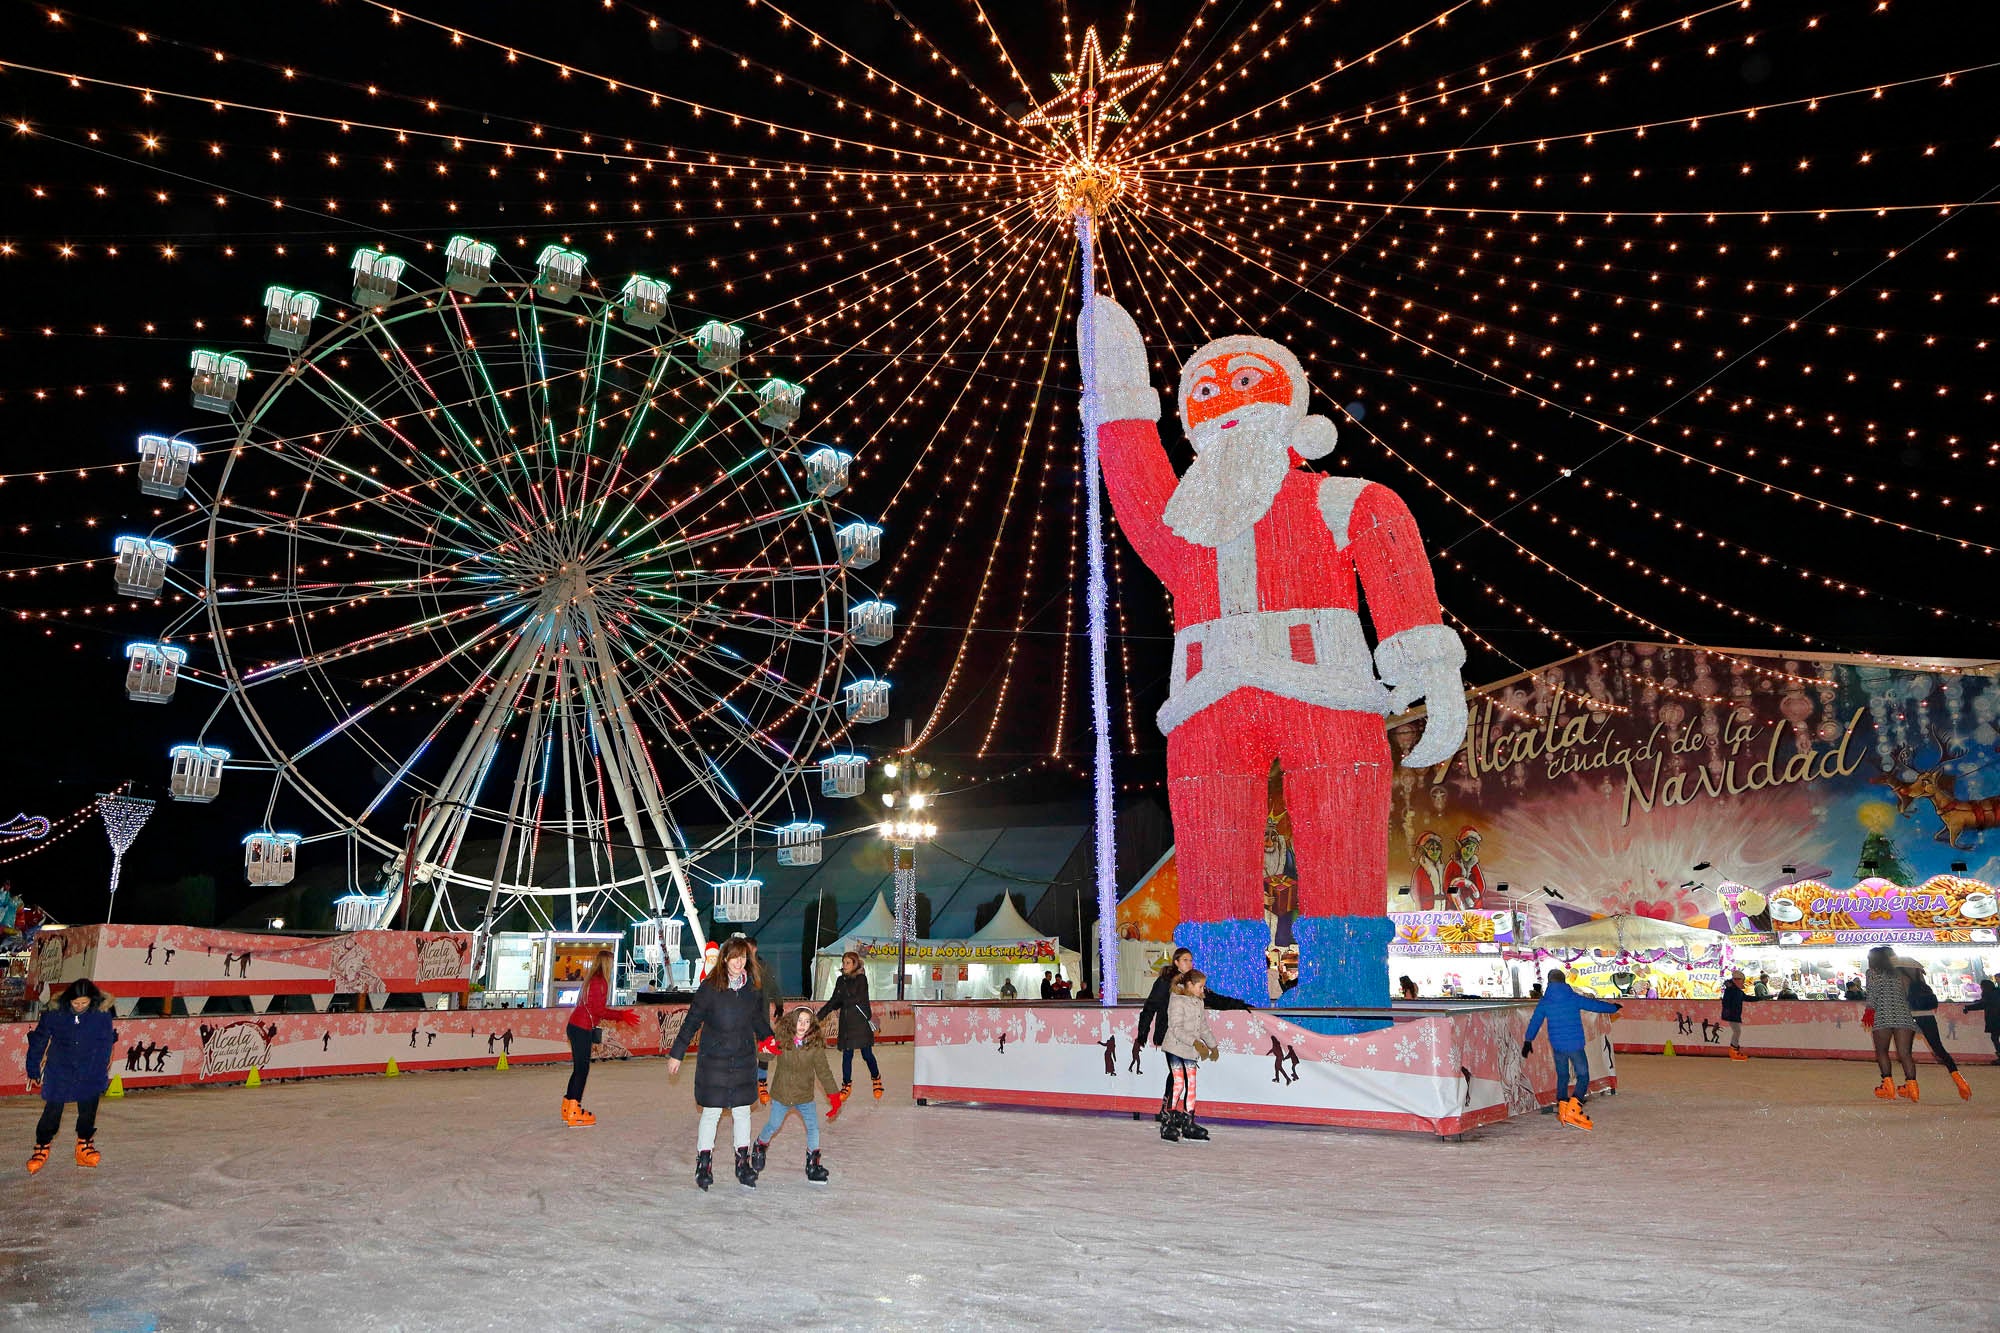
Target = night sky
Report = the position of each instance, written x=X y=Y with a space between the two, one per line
x=1670 y=321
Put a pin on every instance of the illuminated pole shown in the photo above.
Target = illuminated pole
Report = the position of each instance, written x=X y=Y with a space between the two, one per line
x=1094 y=600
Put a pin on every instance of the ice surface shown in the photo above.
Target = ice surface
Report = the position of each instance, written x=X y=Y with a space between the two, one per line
x=1773 y=1195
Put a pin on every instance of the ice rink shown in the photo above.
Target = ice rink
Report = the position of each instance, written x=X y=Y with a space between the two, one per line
x=1770 y=1195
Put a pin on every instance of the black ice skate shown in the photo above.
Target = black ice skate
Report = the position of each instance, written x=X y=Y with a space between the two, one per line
x=815 y=1173
x=1190 y=1131
x=1170 y=1126
x=757 y=1151
x=746 y=1174
x=704 y=1169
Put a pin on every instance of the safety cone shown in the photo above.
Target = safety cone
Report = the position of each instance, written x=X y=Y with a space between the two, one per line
x=117 y=1088
x=255 y=1080
x=391 y=1071
x=1669 y=1049
x=502 y=1066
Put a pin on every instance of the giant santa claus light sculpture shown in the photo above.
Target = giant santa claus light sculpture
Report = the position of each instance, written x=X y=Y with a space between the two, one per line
x=1270 y=660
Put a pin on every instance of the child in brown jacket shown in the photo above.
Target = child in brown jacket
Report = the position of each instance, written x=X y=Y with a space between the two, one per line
x=801 y=1062
x=1189 y=1038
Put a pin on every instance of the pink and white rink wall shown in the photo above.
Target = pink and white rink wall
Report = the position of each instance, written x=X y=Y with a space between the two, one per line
x=1442 y=1071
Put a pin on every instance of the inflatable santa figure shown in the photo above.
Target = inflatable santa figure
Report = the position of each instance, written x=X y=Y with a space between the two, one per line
x=1267 y=564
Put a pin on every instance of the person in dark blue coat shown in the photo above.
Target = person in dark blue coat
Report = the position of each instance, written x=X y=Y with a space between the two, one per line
x=1562 y=1009
x=69 y=1060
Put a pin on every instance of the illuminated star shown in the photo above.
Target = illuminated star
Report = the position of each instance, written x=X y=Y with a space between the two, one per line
x=1090 y=94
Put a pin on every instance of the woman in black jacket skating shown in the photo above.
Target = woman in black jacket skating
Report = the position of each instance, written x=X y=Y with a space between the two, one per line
x=728 y=1012
x=1988 y=1005
x=857 y=1022
x=69 y=1060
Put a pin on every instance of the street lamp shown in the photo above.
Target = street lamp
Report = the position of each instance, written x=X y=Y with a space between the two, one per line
x=903 y=831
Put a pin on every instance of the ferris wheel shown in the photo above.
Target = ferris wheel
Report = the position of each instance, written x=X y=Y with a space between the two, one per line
x=526 y=594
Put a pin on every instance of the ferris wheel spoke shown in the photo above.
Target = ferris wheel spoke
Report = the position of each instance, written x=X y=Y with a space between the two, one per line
x=363 y=420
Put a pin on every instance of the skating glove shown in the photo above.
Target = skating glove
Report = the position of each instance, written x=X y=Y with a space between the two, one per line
x=768 y=1046
x=1124 y=386
x=834 y=1101
x=1527 y=1048
x=1206 y=1051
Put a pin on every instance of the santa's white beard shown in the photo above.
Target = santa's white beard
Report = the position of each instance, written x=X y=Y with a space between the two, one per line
x=1235 y=475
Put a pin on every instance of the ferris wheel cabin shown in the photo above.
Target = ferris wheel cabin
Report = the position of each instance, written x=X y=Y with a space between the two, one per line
x=197 y=772
x=826 y=471
x=859 y=545
x=843 y=775
x=799 y=843
x=288 y=317
x=270 y=859
x=164 y=464
x=468 y=265
x=643 y=301
x=717 y=345
x=218 y=379
x=779 y=403
x=872 y=623
x=376 y=277
x=141 y=568
x=559 y=273
x=152 y=670
x=867 y=700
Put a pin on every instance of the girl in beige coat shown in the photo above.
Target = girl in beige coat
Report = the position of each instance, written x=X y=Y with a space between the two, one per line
x=1189 y=1039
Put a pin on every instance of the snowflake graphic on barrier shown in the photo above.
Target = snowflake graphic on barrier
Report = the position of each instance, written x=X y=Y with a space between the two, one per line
x=1406 y=1051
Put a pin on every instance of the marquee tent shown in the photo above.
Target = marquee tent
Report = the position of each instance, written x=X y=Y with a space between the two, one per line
x=971 y=968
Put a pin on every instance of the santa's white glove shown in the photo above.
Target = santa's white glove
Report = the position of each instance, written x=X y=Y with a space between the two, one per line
x=1422 y=663
x=1118 y=364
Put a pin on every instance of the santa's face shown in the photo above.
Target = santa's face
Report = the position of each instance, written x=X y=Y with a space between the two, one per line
x=1228 y=384
x=1241 y=458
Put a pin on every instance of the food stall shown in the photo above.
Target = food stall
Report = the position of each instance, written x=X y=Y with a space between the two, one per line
x=534 y=969
x=1812 y=939
x=1623 y=957
x=1459 y=955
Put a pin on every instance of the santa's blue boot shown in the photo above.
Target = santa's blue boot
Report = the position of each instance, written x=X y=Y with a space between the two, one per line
x=1231 y=955
x=1343 y=963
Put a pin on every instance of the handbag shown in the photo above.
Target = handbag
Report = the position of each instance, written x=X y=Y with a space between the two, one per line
x=597 y=1035
x=873 y=1026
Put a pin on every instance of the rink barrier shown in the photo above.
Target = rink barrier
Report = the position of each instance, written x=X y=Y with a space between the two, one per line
x=1441 y=1070
x=1785 y=1030
x=225 y=1048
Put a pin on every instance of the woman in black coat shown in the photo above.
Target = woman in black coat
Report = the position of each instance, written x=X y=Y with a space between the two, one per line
x=69 y=1060
x=1989 y=1005
x=728 y=1011
x=857 y=1021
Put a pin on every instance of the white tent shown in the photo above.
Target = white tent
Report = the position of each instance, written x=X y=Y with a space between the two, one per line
x=1627 y=934
x=1005 y=948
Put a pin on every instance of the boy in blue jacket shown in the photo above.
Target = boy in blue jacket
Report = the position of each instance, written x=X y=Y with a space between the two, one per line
x=1563 y=1009
x=69 y=1060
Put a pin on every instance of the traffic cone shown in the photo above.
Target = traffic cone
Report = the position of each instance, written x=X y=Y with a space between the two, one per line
x=391 y=1071
x=255 y=1080
x=1669 y=1049
x=501 y=1068
x=117 y=1088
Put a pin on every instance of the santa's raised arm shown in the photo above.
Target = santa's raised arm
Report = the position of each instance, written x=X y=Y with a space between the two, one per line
x=1267 y=564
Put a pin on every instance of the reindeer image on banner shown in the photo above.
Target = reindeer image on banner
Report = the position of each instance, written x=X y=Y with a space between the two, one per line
x=1267 y=564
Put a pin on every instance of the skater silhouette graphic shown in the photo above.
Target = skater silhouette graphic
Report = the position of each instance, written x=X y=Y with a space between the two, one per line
x=132 y=1058
x=169 y=957
x=1683 y=1025
x=228 y=961
x=413 y=1039
x=1292 y=1057
x=429 y=1037
x=160 y=1059
x=1110 y=1045
x=1277 y=1054
x=326 y=1040
x=1134 y=1065
x=491 y=1039
x=149 y=955
x=507 y=1041
x=1003 y=1043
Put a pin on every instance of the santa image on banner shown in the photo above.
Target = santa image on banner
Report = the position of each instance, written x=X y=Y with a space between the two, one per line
x=1428 y=872
x=1268 y=564
x=1465 y=882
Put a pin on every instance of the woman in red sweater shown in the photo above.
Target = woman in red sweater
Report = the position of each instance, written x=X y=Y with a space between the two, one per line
x=593 y=1006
